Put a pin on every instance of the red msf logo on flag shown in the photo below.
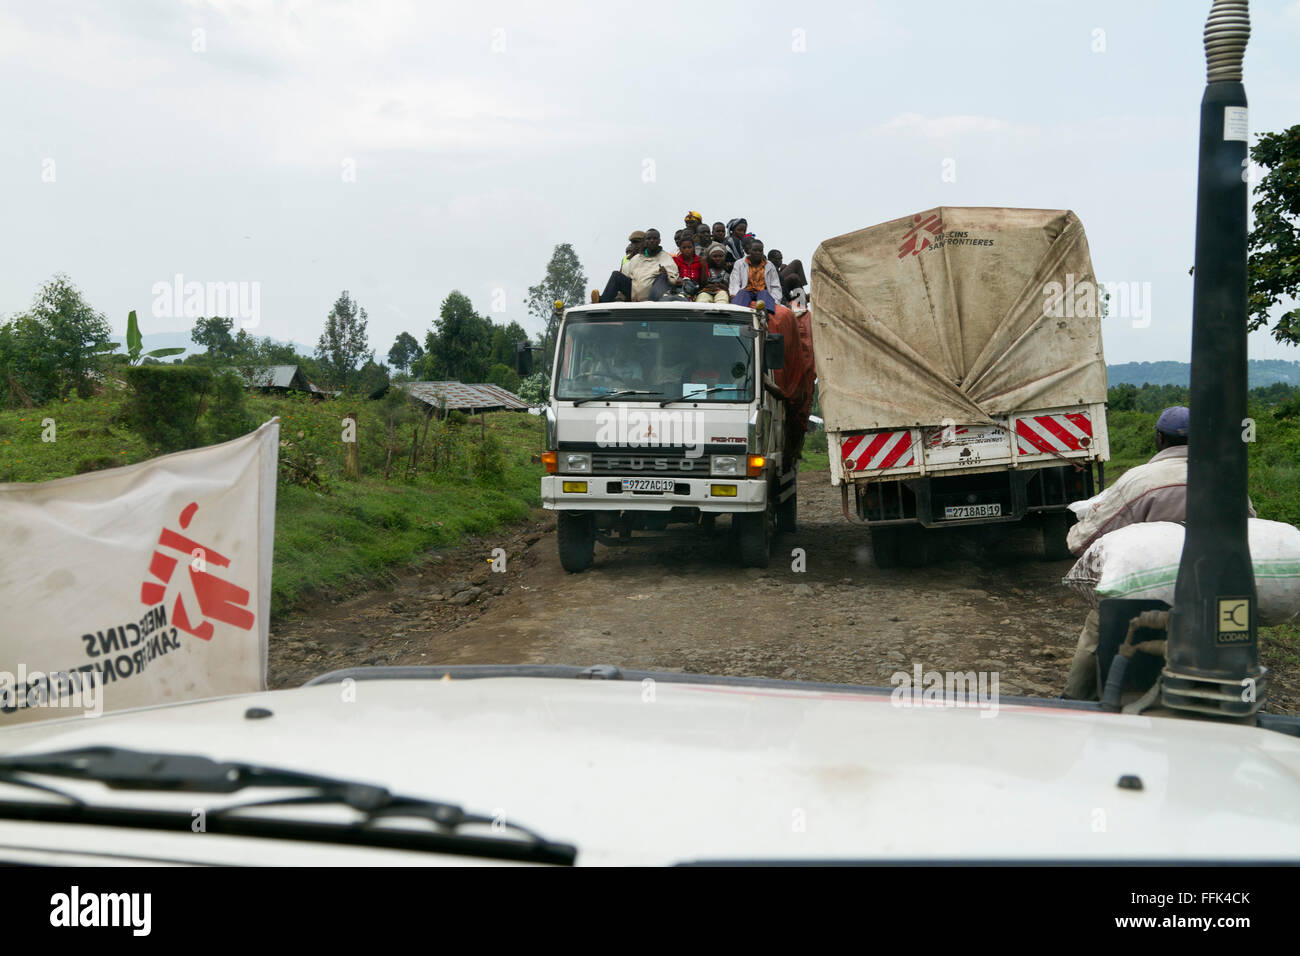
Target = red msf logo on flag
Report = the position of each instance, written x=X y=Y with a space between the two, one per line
x=215 y=598
x=917 y=238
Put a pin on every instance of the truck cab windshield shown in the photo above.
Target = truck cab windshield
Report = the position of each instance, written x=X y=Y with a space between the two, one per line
x=710 y=360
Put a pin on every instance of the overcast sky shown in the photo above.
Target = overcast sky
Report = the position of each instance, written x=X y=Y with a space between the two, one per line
x=401 y=150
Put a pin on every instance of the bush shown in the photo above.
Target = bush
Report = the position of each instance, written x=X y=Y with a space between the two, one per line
x=504 y=376
x=227 y=416
x=533 y=389
x=165 y=404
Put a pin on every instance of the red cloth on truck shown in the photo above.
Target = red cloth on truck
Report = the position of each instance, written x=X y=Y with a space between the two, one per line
x=797 y=378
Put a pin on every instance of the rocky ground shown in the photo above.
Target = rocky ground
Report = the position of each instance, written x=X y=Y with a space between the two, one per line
x=678 y=601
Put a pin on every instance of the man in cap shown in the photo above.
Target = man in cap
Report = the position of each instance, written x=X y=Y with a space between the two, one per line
x=1155 y=491
x=618 y=280
x=646 y=276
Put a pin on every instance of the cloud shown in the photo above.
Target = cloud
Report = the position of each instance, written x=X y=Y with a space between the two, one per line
x=942 y=127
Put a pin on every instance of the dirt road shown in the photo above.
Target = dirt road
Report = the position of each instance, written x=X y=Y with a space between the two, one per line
x=680 y=602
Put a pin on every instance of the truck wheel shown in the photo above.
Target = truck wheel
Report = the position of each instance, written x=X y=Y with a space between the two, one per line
x=576 y=535
x=912 y=550
x=1056 y=526
x=787 y=514
x=884 y=547
x=755 y=539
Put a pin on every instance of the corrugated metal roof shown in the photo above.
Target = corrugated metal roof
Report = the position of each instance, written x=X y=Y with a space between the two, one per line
x=271 y=376
x=482 y=397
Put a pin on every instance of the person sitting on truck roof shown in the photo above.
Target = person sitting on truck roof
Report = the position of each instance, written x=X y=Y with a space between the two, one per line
x=736 y=230
x=619 y=283
x=646 y=277
x=692 y=220
x=689 y=266
x=1155 y=491
x=754 y=279
x=717 y=280
x=703 y=240
x=720 y=233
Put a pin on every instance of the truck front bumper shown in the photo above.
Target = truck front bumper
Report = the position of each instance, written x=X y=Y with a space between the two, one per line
x=606 y=493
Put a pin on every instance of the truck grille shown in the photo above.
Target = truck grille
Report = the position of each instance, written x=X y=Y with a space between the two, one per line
x=635 y=463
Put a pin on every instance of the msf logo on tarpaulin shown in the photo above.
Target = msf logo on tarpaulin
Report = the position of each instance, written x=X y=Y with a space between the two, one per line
x=918 y=237
x=201 y=596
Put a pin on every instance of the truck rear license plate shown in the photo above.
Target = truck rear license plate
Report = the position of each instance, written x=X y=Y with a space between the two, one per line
x=648 y=484
x=973 y=511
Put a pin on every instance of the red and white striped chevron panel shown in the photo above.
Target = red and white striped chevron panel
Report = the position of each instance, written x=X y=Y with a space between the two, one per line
x=1048 y=434
x=889 y=449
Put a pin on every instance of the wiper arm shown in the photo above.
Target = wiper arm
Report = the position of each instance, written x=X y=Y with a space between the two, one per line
x=623 y=391
x=702 y=391
x=121 y=769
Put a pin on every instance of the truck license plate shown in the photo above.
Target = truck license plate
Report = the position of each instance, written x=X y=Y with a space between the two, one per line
x=973 y=511
x=648 y=484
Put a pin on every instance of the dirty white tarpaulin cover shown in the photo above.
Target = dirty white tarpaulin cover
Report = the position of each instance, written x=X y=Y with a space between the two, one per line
x=952 y=313
x=138 y=585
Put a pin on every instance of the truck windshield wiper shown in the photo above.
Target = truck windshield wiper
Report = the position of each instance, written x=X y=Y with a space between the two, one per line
x=702 y=391
x=121 y=769
x=623 y=391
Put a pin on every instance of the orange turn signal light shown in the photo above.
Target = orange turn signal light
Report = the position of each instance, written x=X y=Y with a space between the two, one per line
x=550 y=461
x=756 y=463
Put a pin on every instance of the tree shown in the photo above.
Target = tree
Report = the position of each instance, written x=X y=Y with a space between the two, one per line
x=564 y=282
x=371 y=379
x=505 y=376
x=53 y=349
x=503 y=343
x=457 y=348
x=405 y=350
x=214 y=335
x=1274 y=243
x=344 y=344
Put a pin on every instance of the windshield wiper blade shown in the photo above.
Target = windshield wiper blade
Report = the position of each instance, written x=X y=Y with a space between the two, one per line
x=703 y=391
x=121 y=769
x=624 y=391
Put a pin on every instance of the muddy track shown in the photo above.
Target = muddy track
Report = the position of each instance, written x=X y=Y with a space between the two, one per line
x=677 y=601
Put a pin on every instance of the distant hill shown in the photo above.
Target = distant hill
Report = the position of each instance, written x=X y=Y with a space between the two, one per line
x=1260 y=372
x=171 y=340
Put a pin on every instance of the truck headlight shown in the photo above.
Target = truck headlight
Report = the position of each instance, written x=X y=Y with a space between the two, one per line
x=731 y=465
x=576 y=464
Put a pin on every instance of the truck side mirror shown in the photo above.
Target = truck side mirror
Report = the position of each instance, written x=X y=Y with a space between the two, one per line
x=774 y=351
x=523 y=359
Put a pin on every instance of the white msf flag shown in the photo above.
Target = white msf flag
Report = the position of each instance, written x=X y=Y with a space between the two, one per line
x=139 y=585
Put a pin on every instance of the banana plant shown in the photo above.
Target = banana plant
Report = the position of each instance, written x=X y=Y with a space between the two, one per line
x=135 y=342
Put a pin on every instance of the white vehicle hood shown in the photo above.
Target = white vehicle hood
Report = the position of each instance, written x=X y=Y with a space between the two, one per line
x=637 y=773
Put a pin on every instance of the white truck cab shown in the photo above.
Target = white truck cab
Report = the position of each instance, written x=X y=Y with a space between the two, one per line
x=666 y=412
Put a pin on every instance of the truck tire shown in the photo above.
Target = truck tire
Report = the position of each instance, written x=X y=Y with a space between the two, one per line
x=884 y=547
x=755 y=530
x=1056 y=527
x=576 y=535
x=787 y=514
x=912 y=547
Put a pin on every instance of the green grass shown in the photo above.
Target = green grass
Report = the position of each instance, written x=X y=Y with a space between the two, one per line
x=340 y=536
x=1274 y=457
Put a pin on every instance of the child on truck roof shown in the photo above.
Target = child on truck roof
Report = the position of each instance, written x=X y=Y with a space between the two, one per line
x=717 y=278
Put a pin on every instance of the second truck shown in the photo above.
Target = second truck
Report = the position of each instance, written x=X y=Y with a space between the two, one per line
x=960 y=373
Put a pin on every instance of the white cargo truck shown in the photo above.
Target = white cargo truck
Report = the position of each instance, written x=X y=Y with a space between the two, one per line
x=961 y=373
x=666 y=412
